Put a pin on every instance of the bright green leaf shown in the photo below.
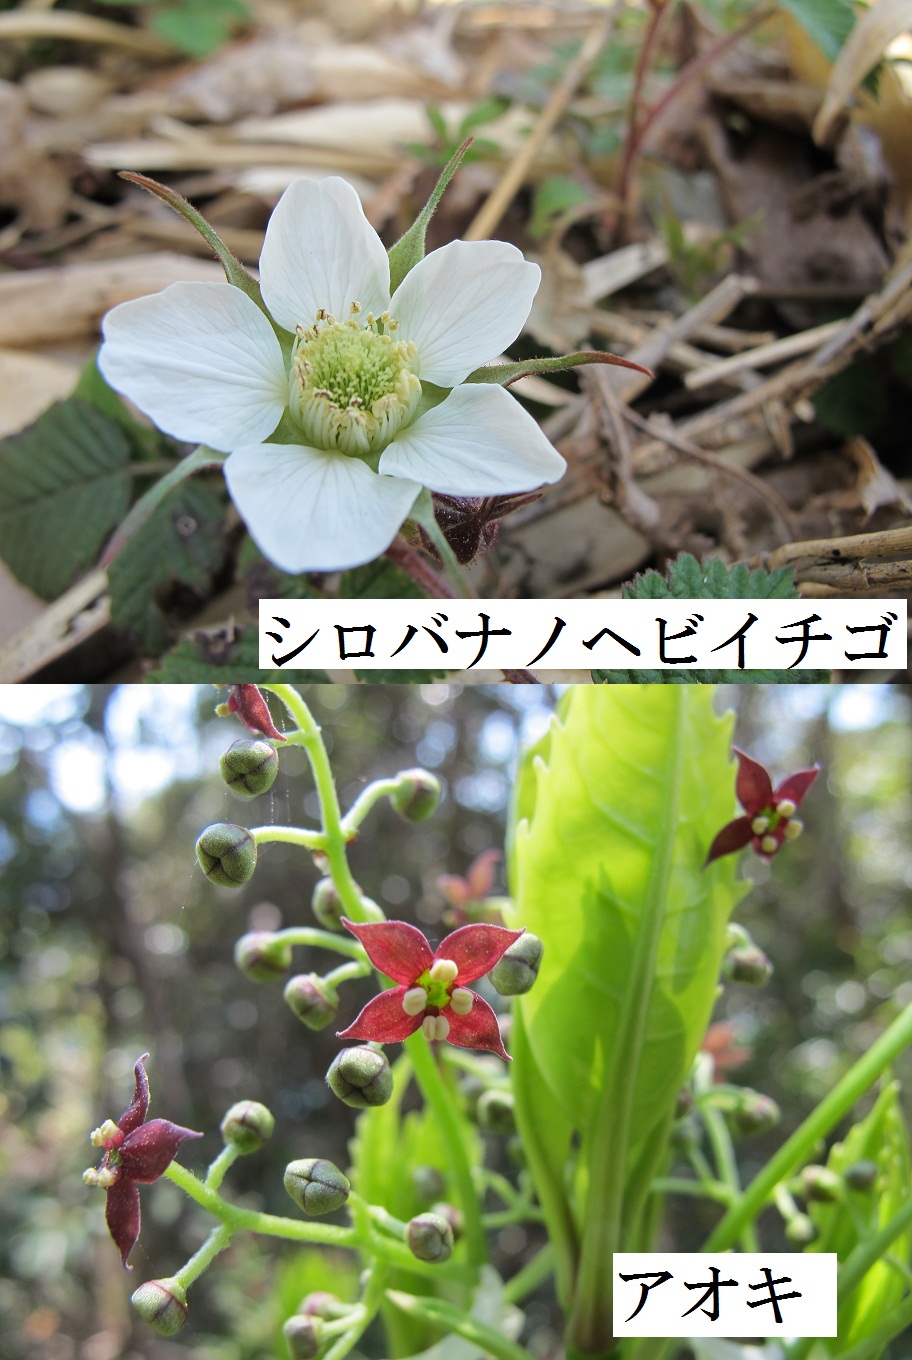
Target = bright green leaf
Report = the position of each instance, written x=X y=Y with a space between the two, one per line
x=826 y=22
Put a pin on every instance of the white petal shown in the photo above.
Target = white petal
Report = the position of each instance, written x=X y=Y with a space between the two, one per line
x=463 y=304
x=478 y=442
x=312 y=511
x=321 y=251
x=201 y=360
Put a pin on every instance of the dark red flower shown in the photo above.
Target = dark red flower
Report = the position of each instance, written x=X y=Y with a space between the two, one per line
x=769 y=813
x=250 y=706
x=135 y=1154
x=432 y=994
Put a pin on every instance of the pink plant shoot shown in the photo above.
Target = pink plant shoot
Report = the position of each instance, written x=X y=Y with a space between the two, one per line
x=135 y=1153
x=769 y=814
x=250 y=706
x=432 y=992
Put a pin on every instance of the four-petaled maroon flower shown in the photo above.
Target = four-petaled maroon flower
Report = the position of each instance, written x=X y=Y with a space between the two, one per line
x=135 y=1153
x=470 y=892
x=432 y=994
x=250 y=706
x=769 y=814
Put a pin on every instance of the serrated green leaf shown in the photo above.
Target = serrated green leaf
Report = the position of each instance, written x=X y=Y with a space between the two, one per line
x=207 y=660
x=182 y=541
x=826 y=22
x=608 y=871
x=64 y=485
x=638 y=782
x=686 y=579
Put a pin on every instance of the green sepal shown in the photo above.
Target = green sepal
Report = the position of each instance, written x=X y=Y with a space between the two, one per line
x=235 y=272
x=409 y=249
x=422 y=514
x=504 y=374
x=201 y=460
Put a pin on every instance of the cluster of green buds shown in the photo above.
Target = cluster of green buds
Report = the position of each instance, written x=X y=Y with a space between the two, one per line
x=744 y=961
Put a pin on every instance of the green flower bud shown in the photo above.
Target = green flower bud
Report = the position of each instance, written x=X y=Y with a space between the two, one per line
x=450 y=1214
x=262 y=955
x=749 y=965
x=316 y=1186
x=516 y=971
x=428 y=1183
x=327 y=905
x=163 y=1304
x=361 y=1077
x=416 y=796
x=227 y=854
x=821 y=1185
x=800 y=1230
x=495 y=1112
x=756 y=1113
x=247 y=1125
x=249 y=767
x=303 y=1337
x=312 y=1000
x=861 y=1176
x=430 y=1238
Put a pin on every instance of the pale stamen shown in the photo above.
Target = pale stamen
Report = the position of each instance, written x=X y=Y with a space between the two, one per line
x=462 y=1001
x=435 y=1027
x=414 y=1001
x=444 y=970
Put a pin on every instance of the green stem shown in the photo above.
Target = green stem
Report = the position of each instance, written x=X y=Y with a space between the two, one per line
x=503 y=1217
x=309 y=736
x=291 y=835
x=370 y=1305
x=345 y=971
x=533 y=1273
x=818 y=1124
x=727 y=1167
x=591 y=1316
x=366 y=800
x=440 y=1102
x=672 y=1185
x=873 y=1346
x=217 y=1241
x=322 y=939
x=447 y=1315
x=222 y=1165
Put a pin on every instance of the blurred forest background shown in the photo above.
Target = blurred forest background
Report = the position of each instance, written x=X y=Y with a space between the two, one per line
x=113 y=943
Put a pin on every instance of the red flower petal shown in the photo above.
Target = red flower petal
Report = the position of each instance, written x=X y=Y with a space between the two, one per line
x=122 y=1216
x=399 y=950
x=733 y=836
x=796 y=786
x=478 y=1029
x=476 y=949
x=753 y=784
x=147 y=1152
x=251 y=708
x=134 y=1115
x=383 y=1020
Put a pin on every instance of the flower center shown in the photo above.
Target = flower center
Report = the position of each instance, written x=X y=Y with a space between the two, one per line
x=353 y=384
x=434 y=990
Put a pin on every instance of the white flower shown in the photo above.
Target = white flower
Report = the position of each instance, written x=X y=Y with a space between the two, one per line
x=205 y=363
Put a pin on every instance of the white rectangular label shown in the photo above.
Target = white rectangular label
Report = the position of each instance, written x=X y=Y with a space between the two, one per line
x=730 y=1295
x=455 y=635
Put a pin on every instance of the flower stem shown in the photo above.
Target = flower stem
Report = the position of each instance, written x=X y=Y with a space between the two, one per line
x=222 y=1165
x=366 y=800
x=217 y=1241
x=533 y=1273
x=309 y=736
x=291 y=835
x=322 y=939
x=727 y=1167
x=818 y=1124
x=421 y=571
x=447 y=1315
x=440 y=1102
